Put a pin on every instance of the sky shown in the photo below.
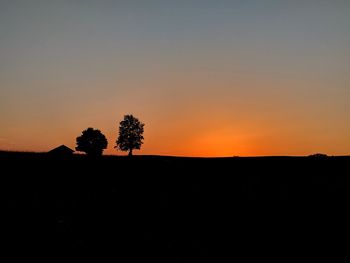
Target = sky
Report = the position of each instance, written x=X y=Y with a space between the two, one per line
x=208 y=78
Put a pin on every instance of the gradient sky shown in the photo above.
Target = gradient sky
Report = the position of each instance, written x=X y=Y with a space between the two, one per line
x=208 y=78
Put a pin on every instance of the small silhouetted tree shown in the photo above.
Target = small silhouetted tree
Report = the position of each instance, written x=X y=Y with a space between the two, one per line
x=92 y=142
x=130 y=134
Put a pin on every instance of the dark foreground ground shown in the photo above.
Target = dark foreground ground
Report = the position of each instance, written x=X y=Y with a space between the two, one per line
x=168 y=209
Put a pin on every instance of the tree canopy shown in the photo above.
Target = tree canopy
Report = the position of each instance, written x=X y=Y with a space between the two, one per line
x=92 y=142
x=130 y=134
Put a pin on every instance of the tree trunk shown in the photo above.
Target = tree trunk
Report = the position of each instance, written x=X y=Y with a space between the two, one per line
x=130 y=152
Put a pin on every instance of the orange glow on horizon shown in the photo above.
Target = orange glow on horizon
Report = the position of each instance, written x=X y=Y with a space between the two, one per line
x=216 y=135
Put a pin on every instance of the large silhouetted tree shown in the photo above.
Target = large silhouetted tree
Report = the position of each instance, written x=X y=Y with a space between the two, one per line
x=130 y=134
x=92 y=142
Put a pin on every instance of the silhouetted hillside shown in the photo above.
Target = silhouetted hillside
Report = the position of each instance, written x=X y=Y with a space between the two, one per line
x=172 y=209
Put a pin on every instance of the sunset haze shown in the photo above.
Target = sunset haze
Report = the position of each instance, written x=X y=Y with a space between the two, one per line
x=208 y=78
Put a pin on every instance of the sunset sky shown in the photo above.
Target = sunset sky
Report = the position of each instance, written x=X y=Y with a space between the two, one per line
x=208 y=78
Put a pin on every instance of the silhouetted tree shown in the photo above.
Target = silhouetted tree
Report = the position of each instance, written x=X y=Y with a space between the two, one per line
x=130 y=134
x=92 y=142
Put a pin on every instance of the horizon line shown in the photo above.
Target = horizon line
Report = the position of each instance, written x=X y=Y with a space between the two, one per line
x=185 y=156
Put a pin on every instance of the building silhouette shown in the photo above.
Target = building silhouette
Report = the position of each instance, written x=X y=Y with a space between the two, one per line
x=62 y=150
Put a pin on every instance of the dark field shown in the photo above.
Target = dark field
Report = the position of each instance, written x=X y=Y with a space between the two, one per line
x=171 y=209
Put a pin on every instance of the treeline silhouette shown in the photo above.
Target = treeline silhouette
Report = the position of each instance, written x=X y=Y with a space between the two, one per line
x=130 y=138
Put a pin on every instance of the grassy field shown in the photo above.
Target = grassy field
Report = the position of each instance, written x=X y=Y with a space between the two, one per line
x=171 y=209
